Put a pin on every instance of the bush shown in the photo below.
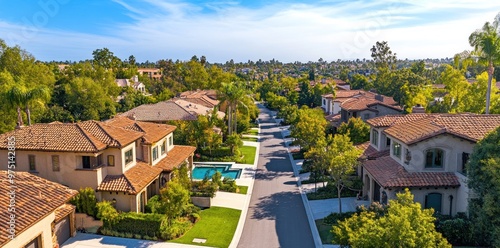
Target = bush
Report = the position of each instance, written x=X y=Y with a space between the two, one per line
x=228 y=185
x=204 y=188
x=154 y=205
x=140 y=223
x=85 y=202
x=330 y=191
x=176 y=229
x=107 y=213
x=457 y=230
x=217 y=153
x=333 y=218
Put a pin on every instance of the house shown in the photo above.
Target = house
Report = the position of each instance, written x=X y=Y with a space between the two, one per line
x=152 y=73
x=125 y=160
x=207 y=98
x=134 y=83
x=35 y=211
x=426 y=153
x=357 y=103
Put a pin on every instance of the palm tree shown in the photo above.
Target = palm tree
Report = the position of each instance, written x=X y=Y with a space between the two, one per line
x=486 y=43
x=231 y=94
x=20 y=96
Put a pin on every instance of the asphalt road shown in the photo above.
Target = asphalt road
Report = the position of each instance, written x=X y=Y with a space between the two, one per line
x=276 y=215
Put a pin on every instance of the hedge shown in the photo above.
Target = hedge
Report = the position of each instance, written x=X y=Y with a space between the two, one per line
x=140 y=223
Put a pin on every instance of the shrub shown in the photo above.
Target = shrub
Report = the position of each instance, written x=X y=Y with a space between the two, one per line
x=457 y=230
x=217 y=153
x=333 y=218
x=154 y=205
x=107 y=213
x=85 y=201
x=330 y=191
x=139 y=223
x=217 y=178
x=228 y=185
x=204 y=188
x=177 y=228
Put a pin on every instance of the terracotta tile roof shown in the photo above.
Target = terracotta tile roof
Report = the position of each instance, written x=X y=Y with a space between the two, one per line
x=35 y=199
x=63 y=211
x=356 y=100
x=160 y=112
x=54 y=137
x=152 y=132
x=472 y=127
x=369 y=152
x=175 y=157
x=110 y=135
x=132 y=181
x=390 y=174
x=390 y=120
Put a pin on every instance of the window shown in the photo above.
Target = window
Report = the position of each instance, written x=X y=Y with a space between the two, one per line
x=32 y=163
x=86 y=162
x=434 y=158
x=162 y=147
x=433 y=200
x=155 y=153
x=388 y=142
x=55 y=163
x=375 y=137
x=111 y=160
x=171 y=141
x=324 y=102
x=396 y=149
x=128 y=156
x=465 y=159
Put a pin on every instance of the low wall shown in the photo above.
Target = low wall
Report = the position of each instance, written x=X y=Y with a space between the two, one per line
x=202 y=202
x=85 y=221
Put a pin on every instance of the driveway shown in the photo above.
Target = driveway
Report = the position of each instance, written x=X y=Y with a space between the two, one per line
x=276 y=216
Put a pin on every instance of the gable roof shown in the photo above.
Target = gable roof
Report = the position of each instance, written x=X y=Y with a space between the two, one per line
x=390 y=174
x=390 y=120
x=207 y=98
x=35 y=199
x=175 y=157
x=110 y=135
x=160 y=112
x=132 y=181
x=152 y=132
x=357 y=100
x=369 y=152
x=472 y=127
x=195 y=108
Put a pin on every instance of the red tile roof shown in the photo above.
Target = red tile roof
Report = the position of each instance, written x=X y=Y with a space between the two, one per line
x=111 y=135
x=132 y=181
x=472 y=127
x=35 y=199
x=390 y=174
x=389 y=120
x=369 y=152
x=356 y=100
x=152 y=132
x=175 y=157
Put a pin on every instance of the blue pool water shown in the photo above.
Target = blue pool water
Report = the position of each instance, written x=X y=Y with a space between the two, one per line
x=206 y=171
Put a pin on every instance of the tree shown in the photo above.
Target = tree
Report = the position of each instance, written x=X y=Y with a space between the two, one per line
x=474 y=100
x=486 y=43
x=484 y=180
x=234 y=141
x=357 y=130
x=175 y=197
x=359 y=81
x=231 y=94
x=20 y=96
x=310 y=127
x=404 y=225
x=456 y=86
x=383 y=56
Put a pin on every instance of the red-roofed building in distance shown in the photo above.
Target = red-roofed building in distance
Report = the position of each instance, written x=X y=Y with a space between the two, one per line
x=426 y=153
x=125 y=160
x=357 y=103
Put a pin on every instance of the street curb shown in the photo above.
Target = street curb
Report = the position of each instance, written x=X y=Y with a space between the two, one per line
x=303 y=196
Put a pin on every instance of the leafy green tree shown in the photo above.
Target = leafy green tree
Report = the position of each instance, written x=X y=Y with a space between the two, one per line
x=231 y=95
x=474 y=100
x=234 y=141
x=486 y=43
x=384 y=58
x=107 y=213
x=175 y=197
x=310 y=127
x=484 y=180
x=404 y=225
x=289 y=114
x=341 y=158
x=359 y=81
x=276 y=102
x=456 y=87
x=357 y=130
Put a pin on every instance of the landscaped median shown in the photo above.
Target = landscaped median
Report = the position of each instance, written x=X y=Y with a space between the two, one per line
x=216 y=228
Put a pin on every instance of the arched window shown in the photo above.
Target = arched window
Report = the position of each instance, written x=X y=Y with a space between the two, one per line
x=433 y=200
x=434 y=158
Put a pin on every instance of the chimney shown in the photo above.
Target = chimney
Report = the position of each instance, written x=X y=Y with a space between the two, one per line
x=379 y=97
x=135 y=78
x=418 y=109
x=132 y=116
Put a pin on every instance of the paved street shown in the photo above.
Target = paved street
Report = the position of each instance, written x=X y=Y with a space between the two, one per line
x=276 y=215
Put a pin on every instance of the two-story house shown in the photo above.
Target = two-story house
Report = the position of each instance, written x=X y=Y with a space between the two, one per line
x=345 y=104
x=124 y=160
x=134 y=83
x=426 y=153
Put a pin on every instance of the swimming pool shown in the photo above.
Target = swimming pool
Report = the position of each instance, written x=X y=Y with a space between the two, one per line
x=202 y=171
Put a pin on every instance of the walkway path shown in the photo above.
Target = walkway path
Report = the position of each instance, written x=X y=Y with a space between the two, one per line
x=276 y=216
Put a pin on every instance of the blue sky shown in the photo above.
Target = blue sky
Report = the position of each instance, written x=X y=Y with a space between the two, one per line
x=221 y=30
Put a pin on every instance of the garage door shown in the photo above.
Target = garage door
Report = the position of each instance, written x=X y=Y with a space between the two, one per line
x=62 y=230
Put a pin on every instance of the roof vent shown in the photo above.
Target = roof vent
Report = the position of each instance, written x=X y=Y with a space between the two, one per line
x=418 y=109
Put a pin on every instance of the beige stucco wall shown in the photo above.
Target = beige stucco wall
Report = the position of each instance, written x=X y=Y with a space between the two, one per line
x=43 y=228
x=124 y=201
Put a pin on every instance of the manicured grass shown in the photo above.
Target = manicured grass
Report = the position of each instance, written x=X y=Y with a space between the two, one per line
x=250 y=139
x=243 y=189
x=324 y=231
x=248 y=153
x=252 y=132
x=216 y=225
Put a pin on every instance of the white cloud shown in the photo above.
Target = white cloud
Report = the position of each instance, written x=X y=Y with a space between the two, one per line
x=294 y=32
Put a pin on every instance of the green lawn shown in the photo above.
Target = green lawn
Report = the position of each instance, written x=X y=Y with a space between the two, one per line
x=249 y=154
x=250 y=139
x=324 y=231
x=243 y=189
x=252 y=132
x=217 y=226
